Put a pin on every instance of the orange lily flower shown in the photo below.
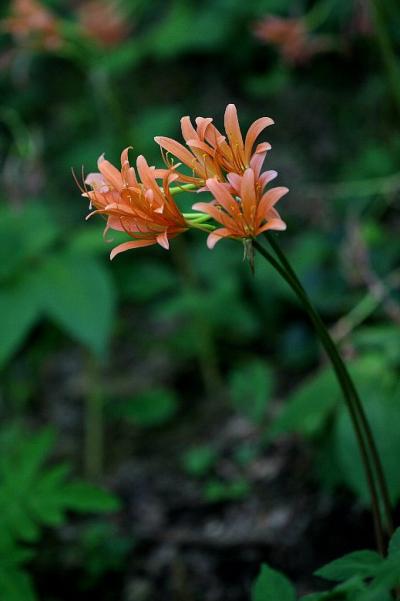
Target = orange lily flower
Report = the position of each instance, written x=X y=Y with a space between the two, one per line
x=102 y=21
x=292 y=37
x=136 y=206
x=212 y=154
x=244 y=210
x=32 y=23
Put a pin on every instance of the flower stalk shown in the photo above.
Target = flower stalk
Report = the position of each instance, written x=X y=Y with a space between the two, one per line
x=365 y=440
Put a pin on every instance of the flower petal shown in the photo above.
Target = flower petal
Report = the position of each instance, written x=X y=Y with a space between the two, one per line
x=162 y=240
x=253 y=132
x=127 y=245
x=110 y=173
x=217 y=235
x=269 y=199
x=177 y=150
x=233 y=132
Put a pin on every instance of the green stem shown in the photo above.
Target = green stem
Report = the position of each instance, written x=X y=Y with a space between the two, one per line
x=340 y=371
x=356 y=398
x=182 y=188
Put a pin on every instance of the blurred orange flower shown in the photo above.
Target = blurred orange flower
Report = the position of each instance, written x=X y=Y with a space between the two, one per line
x=243 y=209
x=102 y=21
x=137 y=206
x=291 y=36
x=32 y=24
x=210 y=153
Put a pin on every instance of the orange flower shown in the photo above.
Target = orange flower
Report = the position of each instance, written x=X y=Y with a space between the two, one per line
x=212 y=154
x=101 y=21
x=33 y=24
x=136 y=206
x=244 y=210
x=291 y=37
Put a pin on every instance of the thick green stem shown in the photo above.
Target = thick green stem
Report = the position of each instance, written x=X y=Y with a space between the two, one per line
x=341 y=372
x=356 y=398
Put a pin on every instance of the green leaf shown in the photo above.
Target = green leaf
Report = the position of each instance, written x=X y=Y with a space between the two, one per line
x=251 y=388
x=24 y=235
x=19 y=310
x=198 y=461
x=84 y=497
x=383 y=412
x=388 y=574
x=307 y=408
x=394 y=544
x=271 y=585
x=217 y=491
x=78 y=294
x=151 y=408
x=359 y=563
x=345 y=591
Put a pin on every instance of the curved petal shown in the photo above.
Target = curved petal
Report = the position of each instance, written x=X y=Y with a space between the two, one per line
x=233 y=132
x=274 y=224
x=223 y=197
x=248 y=196
x=269 y=199
x=128 y=245
x=188 y=131
x=178 y=150
x=267 y=177
x=217 y=235
x=162 y=240
x=253 y=132
x=110 y=173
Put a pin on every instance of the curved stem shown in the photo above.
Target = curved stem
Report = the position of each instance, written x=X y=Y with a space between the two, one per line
x=340 y=371
x=356 y=398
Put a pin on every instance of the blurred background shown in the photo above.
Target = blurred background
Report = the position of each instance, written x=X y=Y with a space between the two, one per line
x=168 y=420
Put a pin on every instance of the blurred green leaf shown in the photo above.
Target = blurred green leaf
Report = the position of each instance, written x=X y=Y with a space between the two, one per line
x=394 y=545
x=198 y=461
x=24 y=236
x=19 y=310
x=151 y=408
x=383 y=412
x=359 y=563
x=217 y=491
x=251 y=387
x=77 y=292
x=271 y=585
x=309 y=406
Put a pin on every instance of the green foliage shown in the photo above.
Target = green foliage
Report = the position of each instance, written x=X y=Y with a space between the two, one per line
x=218 y=491
x=198 y=461
x=148 y=409
x=102 y=549
x=358 y=563
x=34 y=496
x=362 y=576
x=317 y=410
x=271 y=585
x=250 y=388
x=69 y=287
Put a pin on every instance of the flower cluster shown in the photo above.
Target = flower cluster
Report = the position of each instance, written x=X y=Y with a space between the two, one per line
x=224 y=165
x=32 y=24
x=291 y=37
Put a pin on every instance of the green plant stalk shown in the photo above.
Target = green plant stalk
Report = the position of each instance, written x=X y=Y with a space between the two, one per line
x=94 y=422
x=357 y=401
x=339 y=370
